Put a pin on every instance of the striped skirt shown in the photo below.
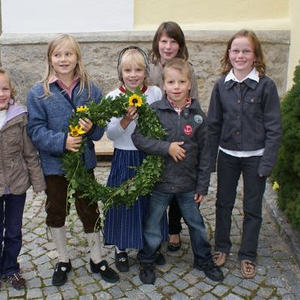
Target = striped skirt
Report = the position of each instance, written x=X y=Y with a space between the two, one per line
x=123 y=226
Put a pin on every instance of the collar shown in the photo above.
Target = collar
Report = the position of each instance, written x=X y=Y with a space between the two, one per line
x=187 y=104
x=54 y=78
x=251 y=80
x=123 y=89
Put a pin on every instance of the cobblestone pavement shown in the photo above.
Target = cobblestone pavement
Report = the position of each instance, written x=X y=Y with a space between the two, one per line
x=278 y=275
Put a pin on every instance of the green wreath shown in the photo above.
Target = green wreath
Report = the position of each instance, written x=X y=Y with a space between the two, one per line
x=147 y=174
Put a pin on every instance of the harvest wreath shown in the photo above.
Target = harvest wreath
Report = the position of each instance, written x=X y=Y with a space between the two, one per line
x=147 y=174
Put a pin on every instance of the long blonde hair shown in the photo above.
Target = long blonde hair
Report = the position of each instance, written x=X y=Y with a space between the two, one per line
x=80 y=70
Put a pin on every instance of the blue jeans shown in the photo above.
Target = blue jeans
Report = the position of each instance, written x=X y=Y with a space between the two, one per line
x=158 y=204
x=11 y=214
x=230 y=169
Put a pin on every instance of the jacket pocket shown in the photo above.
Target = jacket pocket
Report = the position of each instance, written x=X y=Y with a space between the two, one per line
x=252 y=105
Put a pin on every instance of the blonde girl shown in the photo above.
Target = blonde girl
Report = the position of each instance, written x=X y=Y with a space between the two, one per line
x=51 y=102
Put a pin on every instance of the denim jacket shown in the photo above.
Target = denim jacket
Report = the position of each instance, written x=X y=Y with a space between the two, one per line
x=245 y=116
x=48 y=124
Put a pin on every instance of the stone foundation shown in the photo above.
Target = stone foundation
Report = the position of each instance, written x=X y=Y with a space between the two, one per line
x=24 y=56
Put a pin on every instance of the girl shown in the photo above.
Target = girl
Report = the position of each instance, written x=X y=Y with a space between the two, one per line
x=123 y=226
x=244 y=123
x=19 y=168
x=169 y=42
x=50 y=105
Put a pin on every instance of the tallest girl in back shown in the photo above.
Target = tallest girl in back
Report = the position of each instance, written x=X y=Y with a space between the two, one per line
x=169 y=42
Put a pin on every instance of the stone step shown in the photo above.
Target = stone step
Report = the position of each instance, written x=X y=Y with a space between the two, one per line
x=104 y=147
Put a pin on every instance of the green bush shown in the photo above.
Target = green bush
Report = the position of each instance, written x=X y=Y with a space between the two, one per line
x=287 y=169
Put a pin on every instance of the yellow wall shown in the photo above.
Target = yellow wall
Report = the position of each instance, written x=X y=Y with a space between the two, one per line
x=294 y=57
x=213 y=14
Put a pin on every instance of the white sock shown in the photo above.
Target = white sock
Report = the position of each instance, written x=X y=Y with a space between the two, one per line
x=60 y=240
x=95 y=245
x=118 y=250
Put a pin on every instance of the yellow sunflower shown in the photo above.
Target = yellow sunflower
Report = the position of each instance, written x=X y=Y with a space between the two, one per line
x=82 y=108
x=76 y=130
x=275 y=186
x=135 y=100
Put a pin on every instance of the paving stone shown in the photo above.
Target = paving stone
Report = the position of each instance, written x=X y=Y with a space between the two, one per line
x=278 y=275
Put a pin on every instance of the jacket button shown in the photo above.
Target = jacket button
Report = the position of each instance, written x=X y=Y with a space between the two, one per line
x=239 y=101
x=237 y=133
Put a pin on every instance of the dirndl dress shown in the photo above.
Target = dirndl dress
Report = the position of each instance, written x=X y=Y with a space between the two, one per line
x=123 y=226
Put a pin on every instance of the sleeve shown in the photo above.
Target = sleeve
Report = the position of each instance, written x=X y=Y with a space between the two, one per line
x=194 y=85
x=204 y=159
x=215 y=120
x=96 y=133
x=272 y=124
x=114 y=129
x=33 y=163
x=43 y=138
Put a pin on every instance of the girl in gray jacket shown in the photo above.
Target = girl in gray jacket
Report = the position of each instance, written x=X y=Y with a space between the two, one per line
x=19 y=168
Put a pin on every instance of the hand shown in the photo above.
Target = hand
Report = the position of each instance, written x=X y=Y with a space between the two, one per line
x=85 y=124
x=176 y=151
x=130 y=115
x=73 y=143
x=198 y=198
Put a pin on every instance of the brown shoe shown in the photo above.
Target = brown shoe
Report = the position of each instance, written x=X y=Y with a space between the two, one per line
x=248 y=268
x=219 y=258
x=17 y=281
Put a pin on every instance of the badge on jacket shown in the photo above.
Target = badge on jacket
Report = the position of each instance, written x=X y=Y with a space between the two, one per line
x=198 y=119
x=188 y=129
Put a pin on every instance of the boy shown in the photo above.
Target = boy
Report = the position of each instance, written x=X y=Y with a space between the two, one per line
x=186 y=173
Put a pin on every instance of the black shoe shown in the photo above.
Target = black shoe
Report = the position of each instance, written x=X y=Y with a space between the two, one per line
x=60 y=273
x=174 y=246
x=107 y=273
x=210 y=270
x=121 y=260
x=159 y=259
x=16 y=281
x=147 y=273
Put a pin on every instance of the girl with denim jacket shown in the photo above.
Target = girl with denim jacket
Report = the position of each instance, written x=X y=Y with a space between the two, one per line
x=245 y=129
x=19 y=168
x=51 y=102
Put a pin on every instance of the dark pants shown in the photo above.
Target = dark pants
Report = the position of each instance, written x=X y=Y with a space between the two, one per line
x=229 y=170
x=190 y=211
x=174 y=218
x=57 y=207
x=11 y=214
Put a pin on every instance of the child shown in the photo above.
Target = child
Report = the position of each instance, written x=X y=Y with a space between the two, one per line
x=186 y=172
x=50 y=105
x=123 y=226
x=244 y=123
x=19 y=168
x=169 y=42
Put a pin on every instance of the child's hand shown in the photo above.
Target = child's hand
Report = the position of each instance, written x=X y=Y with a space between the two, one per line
x=86 y=124
x=198 y=198
x=176 y=151
x=73 y=143
x=130 y=115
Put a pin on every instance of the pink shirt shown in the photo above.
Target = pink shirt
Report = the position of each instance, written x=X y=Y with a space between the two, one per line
x=67 y=89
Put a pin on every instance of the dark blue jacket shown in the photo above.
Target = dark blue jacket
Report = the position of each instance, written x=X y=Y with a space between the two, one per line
x=245 y=116
x=192 y=173
x=48 y=124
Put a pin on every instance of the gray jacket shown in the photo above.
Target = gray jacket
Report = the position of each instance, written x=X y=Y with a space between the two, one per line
x=192 y=173
x=245 y=116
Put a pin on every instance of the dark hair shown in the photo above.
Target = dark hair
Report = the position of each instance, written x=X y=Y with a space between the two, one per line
x=174 y=31
x=259 y=63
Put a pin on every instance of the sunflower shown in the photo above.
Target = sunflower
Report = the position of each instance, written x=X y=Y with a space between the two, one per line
x=135 y=100
x=82 y=108
x=76 y=130
x=275 y=186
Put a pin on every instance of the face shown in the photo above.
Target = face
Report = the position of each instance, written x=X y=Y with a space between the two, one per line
x=133 y=76
x=177 y=86
x=167 y=47
x=64 y=61
x=5 y=91
x=241 y=56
